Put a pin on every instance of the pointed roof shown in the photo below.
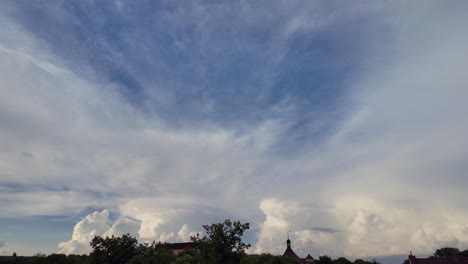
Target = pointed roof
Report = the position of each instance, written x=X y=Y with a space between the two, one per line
x=289 y=253
x=309 y=259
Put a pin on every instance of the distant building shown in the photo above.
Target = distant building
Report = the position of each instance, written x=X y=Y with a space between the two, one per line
x=177 y=248
x=455 y=259
x=289 y=253
x=309 y=259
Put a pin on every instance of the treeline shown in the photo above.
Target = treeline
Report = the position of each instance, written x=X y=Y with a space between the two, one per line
x=342 y=260
x=43 y=259
x=448 y=251
x=167 y=257
x=222 y=244
x=445 y=252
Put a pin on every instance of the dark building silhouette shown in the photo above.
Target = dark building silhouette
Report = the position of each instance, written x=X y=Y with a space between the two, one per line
x=309 y=259
x=455 y=259
x=289 y=253
x=177 y=248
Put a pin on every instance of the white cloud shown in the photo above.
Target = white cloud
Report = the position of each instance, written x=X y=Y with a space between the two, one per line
x=123 y=225
x=185 y=233
x=4 y=251
x=312 y=229
x=95 y=224
x=159 y=225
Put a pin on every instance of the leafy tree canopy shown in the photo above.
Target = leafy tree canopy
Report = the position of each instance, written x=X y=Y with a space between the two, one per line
x=445 y=252
x=266 y=259
x=223 y=243
x=324 y=260
x=342 y=260
x=113 y=250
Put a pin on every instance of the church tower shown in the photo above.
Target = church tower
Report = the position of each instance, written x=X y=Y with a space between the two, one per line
x=289 y=253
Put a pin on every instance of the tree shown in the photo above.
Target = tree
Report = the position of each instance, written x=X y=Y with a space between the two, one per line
x=223 y=243
x=342 y=260
x=56 y=258
x=445 y=252
x=78 y=259
x=266 y=259
x=361 y=261
x=140 y=259
x=324 y=260
x=187 y=256
x=113 y=250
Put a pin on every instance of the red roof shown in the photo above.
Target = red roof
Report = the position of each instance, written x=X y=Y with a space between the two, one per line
x=180 y=246
x=290 y=254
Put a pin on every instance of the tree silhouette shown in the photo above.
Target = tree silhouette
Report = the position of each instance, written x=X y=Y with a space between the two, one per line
x=113 y=249
x=445 y=252
x=223 y=243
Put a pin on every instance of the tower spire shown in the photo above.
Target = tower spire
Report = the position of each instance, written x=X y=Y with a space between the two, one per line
x=289 y=253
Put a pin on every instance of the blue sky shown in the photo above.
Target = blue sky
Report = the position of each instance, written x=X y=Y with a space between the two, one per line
x=155 y=117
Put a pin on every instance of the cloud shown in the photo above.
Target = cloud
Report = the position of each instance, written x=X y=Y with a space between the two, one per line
x=325 y=229
x=209 y=137
x=122 y=226
x=95 y=224
x=284 y=217
x=4 y=251
x=160 y=225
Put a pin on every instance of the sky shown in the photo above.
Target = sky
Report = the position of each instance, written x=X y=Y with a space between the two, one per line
x=342 y=122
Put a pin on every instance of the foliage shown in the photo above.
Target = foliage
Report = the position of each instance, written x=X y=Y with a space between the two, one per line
x=342 y=260
x=42 y=259
x=445 y=252
x=56 y=259
x=140 y=259
x=361 y=261
x=78 y=259
x=113 y=250
x=223 y=243
x=188 y=256
x=266 y=259
x=324 y=260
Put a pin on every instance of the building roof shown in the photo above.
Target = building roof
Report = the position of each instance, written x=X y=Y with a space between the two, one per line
x=289 y=253
x=180 y=246
x=455 y=259
x=309 y=259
